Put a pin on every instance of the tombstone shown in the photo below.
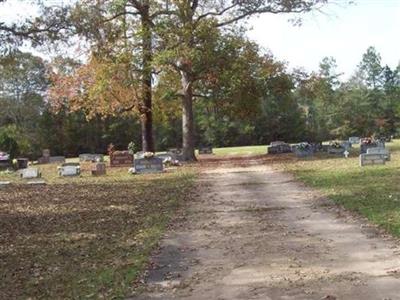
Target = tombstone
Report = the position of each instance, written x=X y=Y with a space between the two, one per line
x=30 y=173
x=45 y=159
x=317 y=147
x=354 y=140
x=121 y=158
x=381 y=151
x=372 y=159
x=303 y=150
x=336 y=148
x=5 y=161
x=99 y=169
x=22 y=163
x=88 y=157
x=69 y=169
x=149 y=165
x=279 y=148
x=205 y=150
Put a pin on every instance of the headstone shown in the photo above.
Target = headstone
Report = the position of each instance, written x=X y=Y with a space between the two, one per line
x=22 y=163
x=381 y=151
x=372 y=159
x=45 y=159
x=149 y=165
x=89 y=157
x=303 y=150
x=346 y=154
x=30 y=173
x=99 y=169
x=279 y=148
x=354 y=140
x=69 y=169
x=205 y=150
x=367 y=143
x=337 y=148
x=121 y=158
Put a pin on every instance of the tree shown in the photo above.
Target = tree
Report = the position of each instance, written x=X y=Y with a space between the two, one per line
x=190 y=19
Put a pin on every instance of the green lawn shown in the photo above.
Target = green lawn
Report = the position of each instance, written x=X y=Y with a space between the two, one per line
x=245 y=150
x=86 y=237
x=372 y=191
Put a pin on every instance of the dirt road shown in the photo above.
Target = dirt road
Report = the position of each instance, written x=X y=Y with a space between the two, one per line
x=255 y=233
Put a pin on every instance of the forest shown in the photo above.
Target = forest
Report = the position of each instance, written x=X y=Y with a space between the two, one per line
x=201 y=83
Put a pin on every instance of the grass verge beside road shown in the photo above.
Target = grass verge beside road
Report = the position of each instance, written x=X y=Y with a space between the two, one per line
x=84 y=238
x=372 y=191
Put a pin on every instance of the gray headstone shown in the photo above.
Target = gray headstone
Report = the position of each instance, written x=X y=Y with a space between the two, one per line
x=149 y=165
x=381 y=151
x=372 y=159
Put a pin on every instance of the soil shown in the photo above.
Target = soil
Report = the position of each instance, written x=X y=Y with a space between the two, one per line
x=256 y=233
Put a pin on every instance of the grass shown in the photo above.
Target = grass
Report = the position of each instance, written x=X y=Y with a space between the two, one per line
x=372 y=191
x=245 y=150
x=86 y=237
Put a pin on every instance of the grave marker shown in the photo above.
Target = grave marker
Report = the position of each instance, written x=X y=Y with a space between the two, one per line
x=149 y=165
x=279 y=147
x=354 y=140
x=22 y=163
x=30 y=173
x=381 y=151
x=303 y=150
x=121 y=158
x=69 y=169
x=99 y=169
x=372 y=159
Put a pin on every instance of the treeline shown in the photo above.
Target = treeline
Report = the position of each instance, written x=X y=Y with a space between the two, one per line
x=253 y=101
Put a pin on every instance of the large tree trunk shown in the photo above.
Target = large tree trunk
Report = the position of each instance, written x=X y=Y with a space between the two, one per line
x=147 y=56
x=187 y=118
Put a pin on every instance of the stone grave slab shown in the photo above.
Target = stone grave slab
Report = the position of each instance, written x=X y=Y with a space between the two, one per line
x=4 y=184
x=149 y=165
x=372 y=159
x=69 y=169
x=30 y=173
x=378 y=150
x=121 y=158
x=22 y=163
x=99 y=169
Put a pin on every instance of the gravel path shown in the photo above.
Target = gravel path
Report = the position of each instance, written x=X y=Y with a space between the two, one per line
x=255 y=233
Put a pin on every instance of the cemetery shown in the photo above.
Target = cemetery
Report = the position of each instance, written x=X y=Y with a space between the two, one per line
x=156 y=149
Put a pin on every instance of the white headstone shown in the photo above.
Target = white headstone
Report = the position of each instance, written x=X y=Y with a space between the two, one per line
x=30 y=173
x=69 y=171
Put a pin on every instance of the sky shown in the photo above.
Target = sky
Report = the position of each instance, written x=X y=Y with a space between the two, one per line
x=340 y=30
